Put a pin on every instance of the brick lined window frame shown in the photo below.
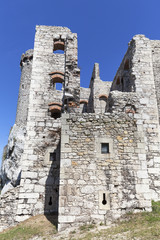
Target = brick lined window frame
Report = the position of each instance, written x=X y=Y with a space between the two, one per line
x=58 y=46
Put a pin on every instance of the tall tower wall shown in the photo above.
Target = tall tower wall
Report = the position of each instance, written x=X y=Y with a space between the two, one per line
x=24 y=88
x=155 y=44
x=41 y=158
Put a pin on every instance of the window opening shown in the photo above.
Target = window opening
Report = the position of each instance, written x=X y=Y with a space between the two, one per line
x=58 y=47
x=126 y=65
x=104 y=148
x=56 y=114
x=30 y=58
x=25 y=59
x=104 y=202
x=103 y=97
x=58 y=86
x=50 y=201
x=59 y=51
x=83 y=105
x=122 y=82
x=55 y=109
x=57 y=78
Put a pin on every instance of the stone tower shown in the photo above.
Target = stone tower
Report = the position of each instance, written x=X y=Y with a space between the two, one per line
x=54 y=64
x=24 y=88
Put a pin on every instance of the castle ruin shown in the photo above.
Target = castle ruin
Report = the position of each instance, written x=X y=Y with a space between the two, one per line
x=82 y=155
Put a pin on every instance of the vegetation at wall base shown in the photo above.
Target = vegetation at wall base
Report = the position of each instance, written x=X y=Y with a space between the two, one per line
x=139 y=226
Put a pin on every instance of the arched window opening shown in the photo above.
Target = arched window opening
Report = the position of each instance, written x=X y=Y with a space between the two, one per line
x=58 y=47
x=55 y=114
x=55 y=109
x=118 y=81
x=102 y=102
x=57 y=76
x=126 y=65
x=57 y=80
x=103 y=97
x=26 y=60
x=83 y=106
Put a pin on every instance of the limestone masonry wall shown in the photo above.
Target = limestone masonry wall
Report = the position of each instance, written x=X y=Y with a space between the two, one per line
x=82 y=155
x=86 y=174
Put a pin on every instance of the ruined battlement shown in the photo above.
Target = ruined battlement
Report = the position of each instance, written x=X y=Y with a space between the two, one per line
x=82 y=154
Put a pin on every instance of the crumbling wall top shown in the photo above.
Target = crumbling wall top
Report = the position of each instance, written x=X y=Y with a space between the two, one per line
x=28 y=55
x=53 y=28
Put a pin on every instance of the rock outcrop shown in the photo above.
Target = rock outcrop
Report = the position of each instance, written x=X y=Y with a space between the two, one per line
x=11 y=169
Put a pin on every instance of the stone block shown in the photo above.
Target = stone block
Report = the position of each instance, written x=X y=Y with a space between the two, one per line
x=29 y=175
x=22 y=218
x=71 y=181
x=75 y=211
x=66 y=219
x=142 y=156
x=39 y=205
x=65 y=162
x=39 y=189
x=154 y=171
x=142 y=174
x=32 y=200
x=28 y=195
x=157 y=159
x=142 y=188
x=43 y=180
x=65 y=139
x=88 y=189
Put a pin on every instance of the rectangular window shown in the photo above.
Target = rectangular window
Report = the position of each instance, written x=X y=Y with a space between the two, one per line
x=104 y=148
x=53 y=156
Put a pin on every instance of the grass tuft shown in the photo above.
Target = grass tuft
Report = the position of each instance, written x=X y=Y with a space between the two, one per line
x=20 y=233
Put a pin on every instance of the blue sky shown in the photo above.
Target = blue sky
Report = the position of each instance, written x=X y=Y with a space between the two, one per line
x=104 y=28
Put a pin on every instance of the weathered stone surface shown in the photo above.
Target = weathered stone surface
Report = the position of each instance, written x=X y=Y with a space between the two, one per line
x=84 y=155
x=11 y=164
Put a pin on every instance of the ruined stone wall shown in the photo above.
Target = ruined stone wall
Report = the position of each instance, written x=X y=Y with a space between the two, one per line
x=87 y=177
x=124 y=79
x=8 y=209
x=155 y=44
x=98 y=166
x=99 y=91
x=84 y=95
x=72 y=72
x=141 y=71
x=145 y=88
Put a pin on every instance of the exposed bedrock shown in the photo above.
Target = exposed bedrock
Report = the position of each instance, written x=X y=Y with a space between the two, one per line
x=11 y=170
